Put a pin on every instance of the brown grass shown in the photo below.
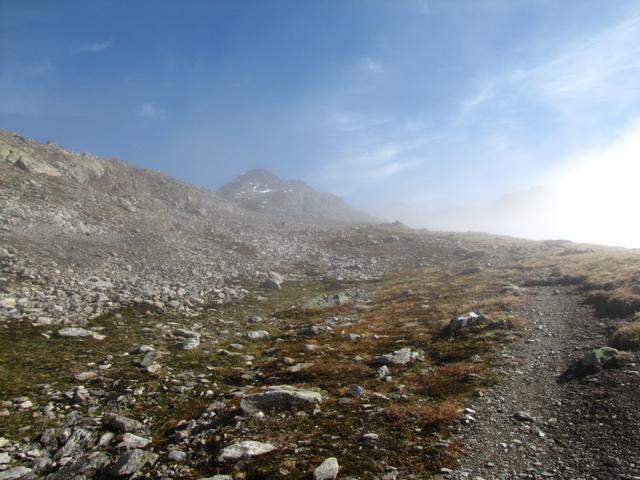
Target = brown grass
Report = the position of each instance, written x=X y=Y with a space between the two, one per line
x=626 y=336
x=426 y=416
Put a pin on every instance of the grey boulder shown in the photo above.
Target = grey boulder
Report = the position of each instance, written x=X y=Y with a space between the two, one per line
x=279 y=397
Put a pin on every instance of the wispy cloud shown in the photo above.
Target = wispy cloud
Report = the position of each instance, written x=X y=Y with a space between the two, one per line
x=373 y=66
x=370 y=165
x=94 y=47
x=149 y=111
x=601 y=68
x=348 y=122
x=583 y=74
x=389 y=169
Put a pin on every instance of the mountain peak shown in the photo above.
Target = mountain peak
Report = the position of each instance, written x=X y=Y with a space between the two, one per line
x=262 y=191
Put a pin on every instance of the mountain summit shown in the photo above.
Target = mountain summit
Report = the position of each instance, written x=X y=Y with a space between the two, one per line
x=261 y=191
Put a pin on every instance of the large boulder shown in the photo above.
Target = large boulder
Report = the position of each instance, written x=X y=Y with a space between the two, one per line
x=594 y=361
x=604 y=357
x=279 y=397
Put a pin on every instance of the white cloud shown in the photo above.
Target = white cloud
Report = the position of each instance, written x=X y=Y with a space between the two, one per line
x=151 y=112
x=95 y=47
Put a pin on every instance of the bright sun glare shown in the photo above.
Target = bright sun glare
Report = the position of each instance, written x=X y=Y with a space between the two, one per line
x=595 y=197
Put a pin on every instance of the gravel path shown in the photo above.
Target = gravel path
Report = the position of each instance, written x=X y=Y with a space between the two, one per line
x=578 y=430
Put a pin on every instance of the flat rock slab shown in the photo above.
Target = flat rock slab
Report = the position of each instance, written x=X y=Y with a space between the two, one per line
x=280 y=397
x=77 y=332
x=15 y=473
x=245 y=450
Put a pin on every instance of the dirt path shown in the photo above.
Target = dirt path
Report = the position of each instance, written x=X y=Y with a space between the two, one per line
x=580 y=430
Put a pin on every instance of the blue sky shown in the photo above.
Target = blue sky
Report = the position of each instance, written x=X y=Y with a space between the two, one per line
x=404 y=107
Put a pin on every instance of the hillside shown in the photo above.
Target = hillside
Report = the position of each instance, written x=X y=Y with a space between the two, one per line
x=153 y=329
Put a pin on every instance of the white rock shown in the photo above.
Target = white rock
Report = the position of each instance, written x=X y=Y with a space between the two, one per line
x=258 y=334
x=327 y=470
x=245 y=450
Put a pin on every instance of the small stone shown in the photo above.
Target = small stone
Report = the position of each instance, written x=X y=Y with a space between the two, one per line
x=177 y=456
x=356 y=391
x=188 y=340
x=258 y=334
x=85 y=376
x=523 y=416
x=149 y=358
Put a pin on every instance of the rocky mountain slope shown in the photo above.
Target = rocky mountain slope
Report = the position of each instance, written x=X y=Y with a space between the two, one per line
x=138 y=232
x=261 y=191
x=153 y=329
